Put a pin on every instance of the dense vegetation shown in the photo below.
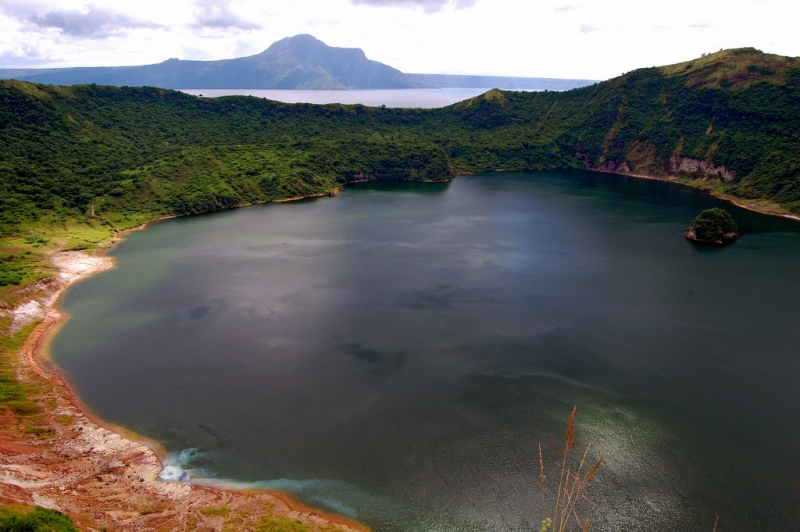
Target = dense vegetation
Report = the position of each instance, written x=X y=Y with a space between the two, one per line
x=38 y=519
x=78 y=162
x=713 y=225
x=120 y=156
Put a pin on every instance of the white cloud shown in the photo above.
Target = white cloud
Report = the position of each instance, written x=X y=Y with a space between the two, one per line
x=29 y=54
x=217 y=14
x=245 y=48
x=194 y=54
x=513 y=37
x=91 y=22
x=426 y=6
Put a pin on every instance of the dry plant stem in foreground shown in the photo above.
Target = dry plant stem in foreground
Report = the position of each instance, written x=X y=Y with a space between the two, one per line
x=572 y=484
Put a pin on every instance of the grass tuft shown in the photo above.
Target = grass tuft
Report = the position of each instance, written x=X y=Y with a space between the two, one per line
x=280 y=524
x=573 y=483
x=13 y=395
x=222 y=511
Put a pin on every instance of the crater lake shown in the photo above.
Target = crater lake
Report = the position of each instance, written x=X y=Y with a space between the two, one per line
x=397 y=353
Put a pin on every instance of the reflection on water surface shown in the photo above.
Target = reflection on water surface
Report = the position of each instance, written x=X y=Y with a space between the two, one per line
x=396 y=353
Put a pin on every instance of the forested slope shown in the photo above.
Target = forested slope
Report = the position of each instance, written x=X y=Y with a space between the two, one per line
x=729 y=121
x=78 y=162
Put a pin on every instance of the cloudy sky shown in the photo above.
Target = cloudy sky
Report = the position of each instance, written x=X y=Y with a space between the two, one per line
x=589 y=39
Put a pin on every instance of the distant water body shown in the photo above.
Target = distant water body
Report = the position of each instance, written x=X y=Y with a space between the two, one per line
x=397 y=353
x=409 y=98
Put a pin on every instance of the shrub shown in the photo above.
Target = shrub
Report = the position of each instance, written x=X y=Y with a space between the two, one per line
x=38 y=520
x=714 y=225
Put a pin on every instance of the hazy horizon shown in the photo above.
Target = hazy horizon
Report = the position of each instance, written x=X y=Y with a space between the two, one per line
x=550 y=39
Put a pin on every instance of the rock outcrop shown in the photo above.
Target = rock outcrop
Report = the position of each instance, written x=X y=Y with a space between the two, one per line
x=713 y=226
x=687 y=165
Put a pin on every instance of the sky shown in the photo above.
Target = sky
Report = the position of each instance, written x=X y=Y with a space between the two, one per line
x=582 y=39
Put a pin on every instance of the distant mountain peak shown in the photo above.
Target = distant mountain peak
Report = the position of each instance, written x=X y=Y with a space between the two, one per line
x=296 y=62
x=305 y=45
x=301 y=38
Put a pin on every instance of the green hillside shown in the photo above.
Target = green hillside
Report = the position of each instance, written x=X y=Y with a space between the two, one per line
x=79 y=162
x=728 y=121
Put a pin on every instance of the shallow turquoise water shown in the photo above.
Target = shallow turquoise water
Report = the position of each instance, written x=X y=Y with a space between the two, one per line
x=397 y=353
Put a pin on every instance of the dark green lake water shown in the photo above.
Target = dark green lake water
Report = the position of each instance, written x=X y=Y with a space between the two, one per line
x=397 y=353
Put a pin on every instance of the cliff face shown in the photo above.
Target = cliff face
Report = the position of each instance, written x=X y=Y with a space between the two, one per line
x=695 y=167
x=726 y=121
x=675 y=167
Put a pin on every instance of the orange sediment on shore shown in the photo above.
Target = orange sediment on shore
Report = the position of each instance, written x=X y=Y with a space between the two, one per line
x=105 y=476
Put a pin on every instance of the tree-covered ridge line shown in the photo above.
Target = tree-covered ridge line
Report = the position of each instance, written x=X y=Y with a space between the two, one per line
x=729 y=122
x=78 y=162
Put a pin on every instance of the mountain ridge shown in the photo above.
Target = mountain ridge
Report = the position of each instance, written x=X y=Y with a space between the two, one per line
x=298 y=62
x=727 y=124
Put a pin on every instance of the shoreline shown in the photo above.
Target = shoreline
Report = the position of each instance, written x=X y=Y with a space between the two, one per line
x=723 y=197
x=144 y=456
x=666 y=179
x=103 y=475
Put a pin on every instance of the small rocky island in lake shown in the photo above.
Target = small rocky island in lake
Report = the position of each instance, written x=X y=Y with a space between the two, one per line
x=713 y=226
